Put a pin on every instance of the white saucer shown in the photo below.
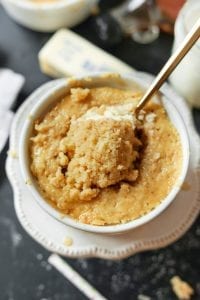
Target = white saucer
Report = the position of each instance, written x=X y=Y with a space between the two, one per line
x=160 y=232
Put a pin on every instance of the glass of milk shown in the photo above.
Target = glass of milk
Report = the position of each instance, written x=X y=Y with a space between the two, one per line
x=186 y=77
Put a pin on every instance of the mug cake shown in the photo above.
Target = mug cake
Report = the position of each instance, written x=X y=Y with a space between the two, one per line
x=98 y=164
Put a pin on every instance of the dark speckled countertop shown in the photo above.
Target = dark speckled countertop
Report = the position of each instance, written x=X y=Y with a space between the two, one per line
x=24 y=271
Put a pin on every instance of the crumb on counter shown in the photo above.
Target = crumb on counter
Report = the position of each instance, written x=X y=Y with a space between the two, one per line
x=143 y=297
x=185 y=186
x=68 y=241
x=181 y=288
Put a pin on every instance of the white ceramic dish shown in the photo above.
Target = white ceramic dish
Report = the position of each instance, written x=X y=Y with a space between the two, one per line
x=49 y=17
x=42 y=105
x=160 y=232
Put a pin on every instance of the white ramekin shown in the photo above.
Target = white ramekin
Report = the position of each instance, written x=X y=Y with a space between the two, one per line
x=49 y=17
x=46 y=101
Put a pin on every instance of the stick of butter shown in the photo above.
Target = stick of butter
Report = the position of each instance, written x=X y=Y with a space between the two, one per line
x=68 y=54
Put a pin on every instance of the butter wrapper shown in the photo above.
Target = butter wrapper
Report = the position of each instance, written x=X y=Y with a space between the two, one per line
x=68 y=54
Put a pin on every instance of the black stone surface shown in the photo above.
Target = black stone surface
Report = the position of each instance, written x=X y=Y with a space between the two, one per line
x=24 y=271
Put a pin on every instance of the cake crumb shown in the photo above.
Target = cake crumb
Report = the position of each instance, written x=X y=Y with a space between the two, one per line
x=157 y=156
x=12 y=153
x=68 y=241
x=79 y=94
x=151 y=132
x=88 y=79
x=30 y=117
x=150 y=118
x=110 y=75
x=72 y=81
x=28 y=181
x=185 y=186
x=62 y=216
x=143 y=297
x=182 y=289
x=141 y=117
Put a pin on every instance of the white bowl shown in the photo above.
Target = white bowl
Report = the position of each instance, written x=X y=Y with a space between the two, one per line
x=43 y=105
x=49 y=17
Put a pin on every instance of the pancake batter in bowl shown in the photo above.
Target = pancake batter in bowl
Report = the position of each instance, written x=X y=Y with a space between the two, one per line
x=96 y=163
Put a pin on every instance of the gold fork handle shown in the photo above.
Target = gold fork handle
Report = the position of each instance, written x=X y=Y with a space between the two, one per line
x=171 y=64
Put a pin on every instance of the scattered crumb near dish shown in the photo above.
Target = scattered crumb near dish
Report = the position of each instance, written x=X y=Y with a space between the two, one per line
x=182 y=289
x=12 y=153
x=143 y=297
x=30 y=117
x=28 y=181
x=185 y=186
x=68 y=241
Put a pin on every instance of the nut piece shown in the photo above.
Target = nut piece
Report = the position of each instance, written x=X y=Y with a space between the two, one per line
x=181 y=288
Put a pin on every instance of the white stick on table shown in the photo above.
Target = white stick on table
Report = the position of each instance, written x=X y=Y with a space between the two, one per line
x=65 y=269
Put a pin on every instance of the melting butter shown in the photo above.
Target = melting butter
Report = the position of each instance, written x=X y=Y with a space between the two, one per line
x=122 y=112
